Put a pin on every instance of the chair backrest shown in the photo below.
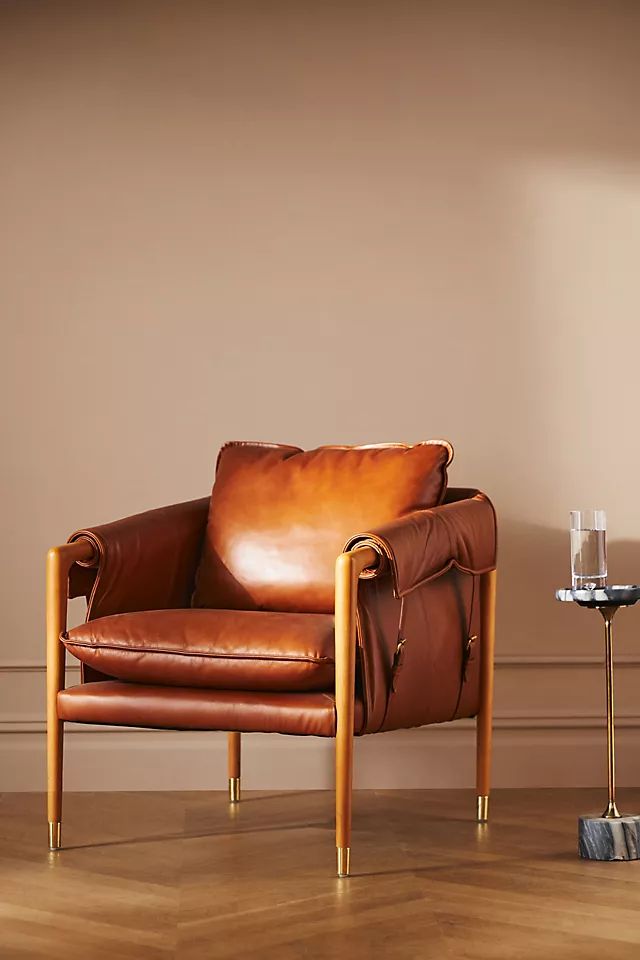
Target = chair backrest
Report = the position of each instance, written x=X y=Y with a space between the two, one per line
x=279 y=516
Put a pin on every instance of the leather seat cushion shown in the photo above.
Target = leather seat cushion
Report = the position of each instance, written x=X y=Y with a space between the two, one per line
x=219 y=649
x=186 y=708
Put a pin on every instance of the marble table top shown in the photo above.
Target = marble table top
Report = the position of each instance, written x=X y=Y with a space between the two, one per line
x=617 y=595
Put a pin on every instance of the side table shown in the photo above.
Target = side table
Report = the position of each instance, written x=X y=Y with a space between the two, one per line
x=611 y=836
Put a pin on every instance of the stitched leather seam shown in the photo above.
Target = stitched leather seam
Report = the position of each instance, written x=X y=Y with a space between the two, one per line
x=100 y=548
x=373 y=540
x=183 y=653
x=334 y=710
x=255 y=443
x=384 y=547
x=363 y=669
x=332 y=701
x=337 y=446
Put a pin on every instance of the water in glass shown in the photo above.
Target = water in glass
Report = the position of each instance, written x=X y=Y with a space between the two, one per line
x=588 y=557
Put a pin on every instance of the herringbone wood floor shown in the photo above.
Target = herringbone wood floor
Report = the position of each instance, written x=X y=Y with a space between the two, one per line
x=177 y=875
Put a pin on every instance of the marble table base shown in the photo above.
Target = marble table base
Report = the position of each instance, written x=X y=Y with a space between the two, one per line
x=603 y=839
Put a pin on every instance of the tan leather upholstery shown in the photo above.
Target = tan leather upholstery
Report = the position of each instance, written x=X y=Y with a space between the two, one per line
x=279 y=516
x=223 y=649
x=181 y=708
x=428 y=596
x=144 y=562
x=424 y=544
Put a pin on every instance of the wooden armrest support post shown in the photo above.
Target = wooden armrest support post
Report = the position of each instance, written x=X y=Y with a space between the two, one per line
x=349 y=567
x=59 y=563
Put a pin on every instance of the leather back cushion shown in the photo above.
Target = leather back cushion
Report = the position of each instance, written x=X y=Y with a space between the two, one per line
x=279 y=517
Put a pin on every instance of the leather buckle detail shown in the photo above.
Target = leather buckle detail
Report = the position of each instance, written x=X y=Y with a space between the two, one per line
x=397 y=663
x=467 y=655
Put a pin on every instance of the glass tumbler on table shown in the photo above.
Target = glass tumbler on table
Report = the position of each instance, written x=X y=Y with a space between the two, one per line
x=588 y=549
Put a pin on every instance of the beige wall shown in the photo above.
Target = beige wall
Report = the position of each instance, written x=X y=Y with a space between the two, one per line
x=325 y=222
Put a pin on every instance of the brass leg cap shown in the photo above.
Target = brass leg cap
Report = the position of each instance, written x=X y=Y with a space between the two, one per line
x=234 y=789
x=344 y=861
x=483 y=809
x=55 y=835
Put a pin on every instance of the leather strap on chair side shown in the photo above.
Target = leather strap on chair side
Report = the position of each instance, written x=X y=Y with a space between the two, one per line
x=147 y=561
x=425 y=544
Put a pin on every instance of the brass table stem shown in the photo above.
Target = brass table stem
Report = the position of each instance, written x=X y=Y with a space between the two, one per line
x=612 y=812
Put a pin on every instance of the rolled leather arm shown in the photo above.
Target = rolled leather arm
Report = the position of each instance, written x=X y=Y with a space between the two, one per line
x=144 y=562
x=423 y=545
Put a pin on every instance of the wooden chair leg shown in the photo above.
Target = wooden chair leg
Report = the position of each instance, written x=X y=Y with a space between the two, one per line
x=484 y=722
x=56 y=612
x=59 y=562
x=233 y=763
x=349 y=566
x=55 y=743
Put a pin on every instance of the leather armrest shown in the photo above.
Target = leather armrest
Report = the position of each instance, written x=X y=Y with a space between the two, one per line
x=423 y=545
x=144 y=562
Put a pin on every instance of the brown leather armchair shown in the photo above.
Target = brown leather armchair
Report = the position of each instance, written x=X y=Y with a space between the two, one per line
x=333 y=592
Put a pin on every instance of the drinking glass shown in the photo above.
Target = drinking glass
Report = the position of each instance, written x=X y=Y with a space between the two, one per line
x=588 y=549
